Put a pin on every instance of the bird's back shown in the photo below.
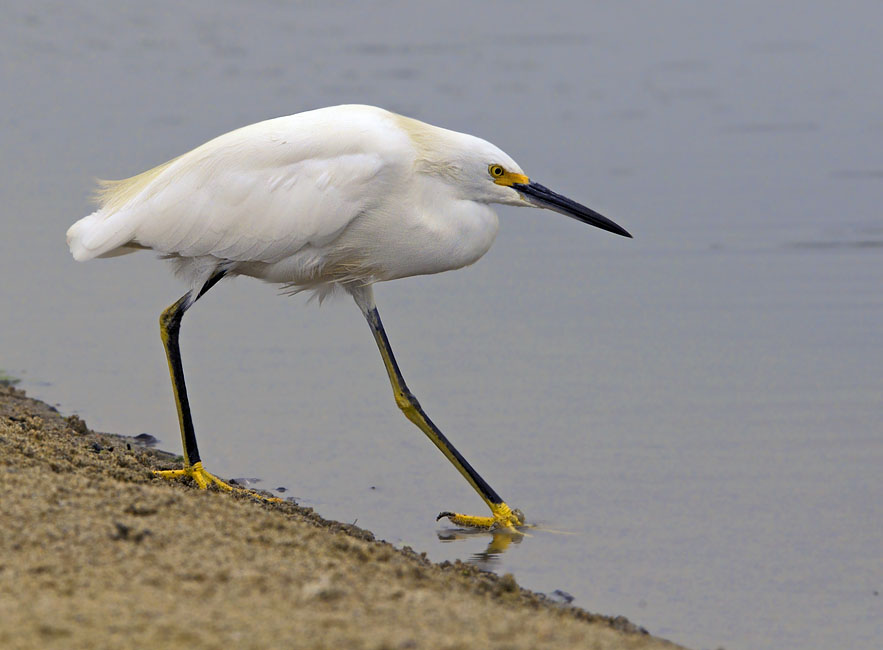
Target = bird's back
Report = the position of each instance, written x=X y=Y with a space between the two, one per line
x=257 y=194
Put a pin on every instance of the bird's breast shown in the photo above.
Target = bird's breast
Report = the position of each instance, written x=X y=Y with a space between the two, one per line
x=438 y=238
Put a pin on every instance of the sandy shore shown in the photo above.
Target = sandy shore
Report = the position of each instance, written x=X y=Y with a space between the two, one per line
x=97 y=553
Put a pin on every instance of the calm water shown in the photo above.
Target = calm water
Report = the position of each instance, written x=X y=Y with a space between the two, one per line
x=693 y=416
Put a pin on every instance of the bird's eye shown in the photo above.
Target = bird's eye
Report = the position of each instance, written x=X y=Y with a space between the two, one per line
x=496 y=171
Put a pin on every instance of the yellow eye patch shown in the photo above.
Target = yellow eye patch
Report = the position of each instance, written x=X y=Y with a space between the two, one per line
x=502 y=177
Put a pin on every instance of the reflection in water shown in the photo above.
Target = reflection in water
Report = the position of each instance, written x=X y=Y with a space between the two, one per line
x=499 y=543
x=501 y=540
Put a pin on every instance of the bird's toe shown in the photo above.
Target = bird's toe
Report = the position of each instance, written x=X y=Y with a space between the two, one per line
x=203 y=479
x=503 y=517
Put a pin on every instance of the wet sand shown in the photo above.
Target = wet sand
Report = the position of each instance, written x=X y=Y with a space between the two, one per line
x=96 y=552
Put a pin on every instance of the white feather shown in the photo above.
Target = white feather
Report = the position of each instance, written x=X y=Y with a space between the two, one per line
x=335 y=195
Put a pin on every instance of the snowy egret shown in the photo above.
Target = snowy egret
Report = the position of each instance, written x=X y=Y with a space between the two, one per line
x=334 y=198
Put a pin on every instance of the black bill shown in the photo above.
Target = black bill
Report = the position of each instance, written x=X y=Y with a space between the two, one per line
x=543 y=197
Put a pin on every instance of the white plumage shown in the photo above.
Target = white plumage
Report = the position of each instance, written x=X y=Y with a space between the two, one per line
x=341 y=194
x=337 y=197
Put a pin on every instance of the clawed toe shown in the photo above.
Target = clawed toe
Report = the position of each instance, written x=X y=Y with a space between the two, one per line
x=503 y=517
x=203 y=478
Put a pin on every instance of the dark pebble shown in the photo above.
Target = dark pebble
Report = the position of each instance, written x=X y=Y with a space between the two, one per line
x=560 y=596
x=245 y=482
x=146 y=439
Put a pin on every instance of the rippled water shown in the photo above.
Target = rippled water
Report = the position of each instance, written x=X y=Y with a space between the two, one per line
x=693 y=417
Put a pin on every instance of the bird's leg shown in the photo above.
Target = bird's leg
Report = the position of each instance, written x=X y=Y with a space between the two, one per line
x=170 y=325
x=503 y=515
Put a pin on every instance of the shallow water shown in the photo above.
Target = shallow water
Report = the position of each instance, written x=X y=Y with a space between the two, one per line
x=692 y=417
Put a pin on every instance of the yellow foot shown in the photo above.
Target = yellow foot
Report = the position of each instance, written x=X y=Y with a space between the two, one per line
x=504 y=518
x=203 y=478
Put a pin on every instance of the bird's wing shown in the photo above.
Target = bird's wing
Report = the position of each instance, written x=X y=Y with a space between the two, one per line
x=260 y=193
x=245 y=205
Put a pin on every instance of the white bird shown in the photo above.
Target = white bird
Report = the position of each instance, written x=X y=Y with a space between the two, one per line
x=339 y=197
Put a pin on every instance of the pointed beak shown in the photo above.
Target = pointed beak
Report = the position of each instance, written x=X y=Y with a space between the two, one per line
x=542 y=197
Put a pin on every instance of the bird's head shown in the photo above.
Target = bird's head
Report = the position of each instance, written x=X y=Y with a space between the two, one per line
x=477 y=170
x=496 y=178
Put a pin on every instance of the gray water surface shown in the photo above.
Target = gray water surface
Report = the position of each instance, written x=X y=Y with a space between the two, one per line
x=693 y=417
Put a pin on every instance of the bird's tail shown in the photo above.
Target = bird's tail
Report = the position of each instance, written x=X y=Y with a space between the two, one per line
x=101 y=235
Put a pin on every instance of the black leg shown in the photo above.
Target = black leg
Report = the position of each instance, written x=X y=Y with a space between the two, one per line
x=170 y=326
x=503 y=515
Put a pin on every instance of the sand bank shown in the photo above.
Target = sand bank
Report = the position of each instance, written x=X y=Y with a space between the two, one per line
x=95 y=552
